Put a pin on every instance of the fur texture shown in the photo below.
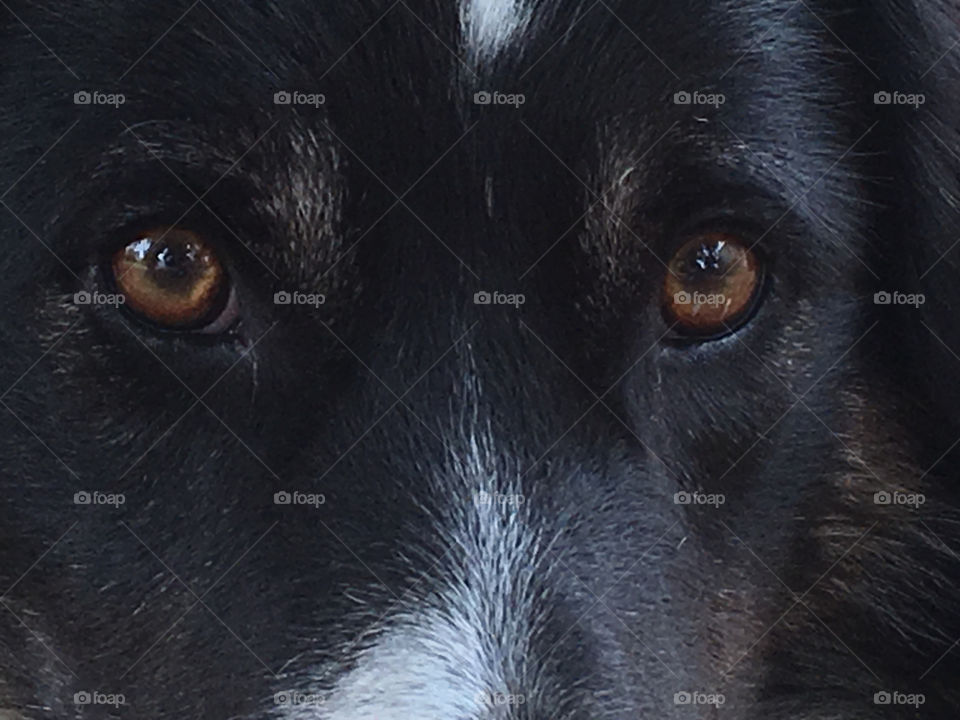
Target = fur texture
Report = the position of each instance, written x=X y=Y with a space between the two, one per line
x=499 y=537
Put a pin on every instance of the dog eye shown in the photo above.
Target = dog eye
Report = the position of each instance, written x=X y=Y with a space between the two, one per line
x=173 y=278
x=712 y=285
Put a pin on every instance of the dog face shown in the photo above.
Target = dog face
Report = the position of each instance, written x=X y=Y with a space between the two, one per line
x=479 y=360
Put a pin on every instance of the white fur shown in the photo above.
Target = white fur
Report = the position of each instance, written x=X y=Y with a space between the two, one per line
x=432 y=670
x=489 y=25
x=440 y=657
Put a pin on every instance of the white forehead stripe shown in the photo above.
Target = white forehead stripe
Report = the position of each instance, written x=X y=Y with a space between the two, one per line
x=489 y=25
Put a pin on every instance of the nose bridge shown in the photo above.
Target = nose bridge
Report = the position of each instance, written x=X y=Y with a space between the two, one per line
x=462 y=647
x=507 y=551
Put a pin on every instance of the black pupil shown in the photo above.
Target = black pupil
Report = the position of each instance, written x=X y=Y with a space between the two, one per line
x=175 y=259
x=175 y=265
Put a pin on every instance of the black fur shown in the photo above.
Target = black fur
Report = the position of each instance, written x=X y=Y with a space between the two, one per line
x=799 y=598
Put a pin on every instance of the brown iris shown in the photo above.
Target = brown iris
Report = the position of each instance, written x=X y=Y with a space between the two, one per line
x=172 y=277
x=712 y=284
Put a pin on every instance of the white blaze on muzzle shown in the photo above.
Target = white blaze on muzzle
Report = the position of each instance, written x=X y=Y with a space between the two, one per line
x=458 y=648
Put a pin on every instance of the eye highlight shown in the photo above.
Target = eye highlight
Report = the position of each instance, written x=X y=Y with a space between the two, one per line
x=172 y=277
x=712 y=285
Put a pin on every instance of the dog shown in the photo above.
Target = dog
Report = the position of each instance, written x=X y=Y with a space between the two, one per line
x=479 y=359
